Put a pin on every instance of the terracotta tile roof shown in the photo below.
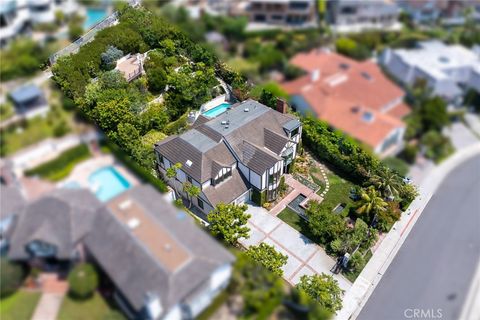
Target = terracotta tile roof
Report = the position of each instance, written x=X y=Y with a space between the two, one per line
x=344 y=92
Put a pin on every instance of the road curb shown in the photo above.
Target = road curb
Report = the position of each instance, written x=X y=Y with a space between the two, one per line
x=361 y=290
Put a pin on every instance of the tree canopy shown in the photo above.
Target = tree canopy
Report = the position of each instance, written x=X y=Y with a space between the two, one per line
x=229 y=221
x=268 y=257
x=323 y=289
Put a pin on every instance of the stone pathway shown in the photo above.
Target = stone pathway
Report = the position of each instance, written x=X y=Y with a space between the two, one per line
x=325 y=178
x=53 y=291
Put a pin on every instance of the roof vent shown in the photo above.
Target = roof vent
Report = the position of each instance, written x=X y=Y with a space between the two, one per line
x=224 y=123
x=189 y=163
x=344 y=66
x=226 y=127
x=133 y=223
x=315 y=75
x=167 y=247
x=124 y=205
x=367 y=76
x=246 y=110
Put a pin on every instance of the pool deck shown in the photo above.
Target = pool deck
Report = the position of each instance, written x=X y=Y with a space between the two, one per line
x=82 y=171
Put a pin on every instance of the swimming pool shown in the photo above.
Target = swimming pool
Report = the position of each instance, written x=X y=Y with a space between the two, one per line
x=107 y=183
x=94 y=16
x=215 y=111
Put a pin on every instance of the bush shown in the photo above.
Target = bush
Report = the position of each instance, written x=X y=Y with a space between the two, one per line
x=352 y=49
x=409 y=153
x=83 y=281
x=437 y=146
x=176 y=126
x=11 y=277
x=61 y=166
x=397 y=165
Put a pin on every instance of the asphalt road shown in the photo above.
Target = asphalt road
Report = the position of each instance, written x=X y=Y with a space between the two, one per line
x=433 y=269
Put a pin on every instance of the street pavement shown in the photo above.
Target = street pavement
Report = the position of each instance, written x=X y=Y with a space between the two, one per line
x=433 y=270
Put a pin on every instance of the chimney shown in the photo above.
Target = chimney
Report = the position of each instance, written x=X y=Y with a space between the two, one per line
x=281 y=106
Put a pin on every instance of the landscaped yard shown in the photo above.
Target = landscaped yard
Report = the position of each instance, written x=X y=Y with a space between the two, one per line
x=19 y=306
x=339 y=192
x=94 y=308
x=61 y=166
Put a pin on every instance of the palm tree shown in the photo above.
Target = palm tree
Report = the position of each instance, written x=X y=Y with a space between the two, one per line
x=370 y=202
x=388 y=182
x=172 y=174
x=191 y=191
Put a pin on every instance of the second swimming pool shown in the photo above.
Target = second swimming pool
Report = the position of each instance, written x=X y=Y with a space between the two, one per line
x=107 y=183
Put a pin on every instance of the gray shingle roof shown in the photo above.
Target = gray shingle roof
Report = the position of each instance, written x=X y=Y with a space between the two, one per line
x=61 y=218
x=11 y=201
x=136 y=272
x=250 y=123
x=228 y=190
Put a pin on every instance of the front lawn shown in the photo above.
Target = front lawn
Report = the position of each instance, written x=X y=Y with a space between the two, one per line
x=339 y=192
x=19 y=306
x=94 y=308
x=60 y=167
x=296 y=222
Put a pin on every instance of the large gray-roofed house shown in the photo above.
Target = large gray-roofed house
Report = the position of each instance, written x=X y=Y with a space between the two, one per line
x=240 y=153
x=163 y=261
x=54 y=225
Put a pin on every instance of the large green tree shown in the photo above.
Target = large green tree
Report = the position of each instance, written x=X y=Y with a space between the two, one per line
x=268 y=257
x=325 y=225
x=229 y=221
x=323 y=289
x=388 y=182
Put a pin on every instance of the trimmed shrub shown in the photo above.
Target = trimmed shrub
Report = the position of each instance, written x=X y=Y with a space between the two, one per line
x=11 y=277
x=409 y=154
x=61 y=166
x=397 y=165
x=83 y=281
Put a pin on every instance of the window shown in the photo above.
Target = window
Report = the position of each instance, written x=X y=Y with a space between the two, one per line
x=294 y=132
x=200 y=203
x=160 y=160
x=222 y=175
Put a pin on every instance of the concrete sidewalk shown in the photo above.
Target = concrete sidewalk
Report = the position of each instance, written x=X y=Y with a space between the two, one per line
x=53 y=291
x=356 y=297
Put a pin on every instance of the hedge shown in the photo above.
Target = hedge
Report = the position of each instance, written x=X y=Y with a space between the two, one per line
x=143 y=173
x=83 y=281
x=60 y=167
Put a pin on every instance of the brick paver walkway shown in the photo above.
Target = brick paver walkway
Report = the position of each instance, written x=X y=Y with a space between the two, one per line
x=53 y=291
x=298 y=188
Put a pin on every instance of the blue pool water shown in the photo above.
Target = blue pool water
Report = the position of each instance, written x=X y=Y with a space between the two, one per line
x=94 y=16
x=72 y=185
x=212 y=113
x=107 y=183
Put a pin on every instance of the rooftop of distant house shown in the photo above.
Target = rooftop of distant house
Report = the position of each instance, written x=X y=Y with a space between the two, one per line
x=435 y=57
x=130 y=66
x=355 y=97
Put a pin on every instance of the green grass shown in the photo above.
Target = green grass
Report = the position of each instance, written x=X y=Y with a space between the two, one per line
x=60 y=167
x=94 y=308
x=36 y=130
x=339 y=192
x=19 y=306
x=352 y=275
x=296 y=222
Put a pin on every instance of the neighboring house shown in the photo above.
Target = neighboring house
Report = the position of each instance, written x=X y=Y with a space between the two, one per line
x=236 y=156
x=17 y=16
x=29 y=101
x=352 y=96
x=12 y=202
x=356 y=16
x=131 y=66
x=447 y=69
x=283 y=13
x=162 y=266
x=447 y=12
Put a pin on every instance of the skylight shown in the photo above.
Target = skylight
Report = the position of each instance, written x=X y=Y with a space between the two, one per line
x=367 y=116
x=189 y=163
x=366 y=75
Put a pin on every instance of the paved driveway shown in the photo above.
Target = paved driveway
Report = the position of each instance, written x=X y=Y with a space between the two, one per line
x=304 y=256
